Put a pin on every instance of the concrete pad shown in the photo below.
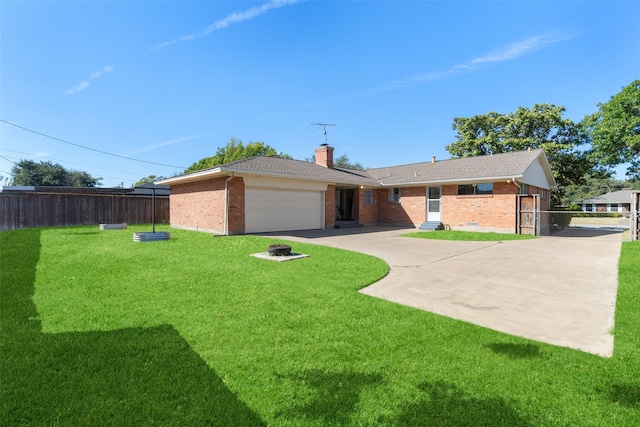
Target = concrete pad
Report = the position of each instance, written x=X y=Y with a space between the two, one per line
x=557 y=290
x=279 y=258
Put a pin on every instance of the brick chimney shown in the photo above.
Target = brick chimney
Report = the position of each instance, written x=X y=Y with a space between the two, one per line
x=324 y=156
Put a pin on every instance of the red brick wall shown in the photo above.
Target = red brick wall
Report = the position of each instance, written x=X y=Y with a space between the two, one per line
x=200 y=205
x=367 y=214
x=330 y=207
x=410 y=211
x=236 y=207
x=545 y=202
x=324 y=156
x=493 y=212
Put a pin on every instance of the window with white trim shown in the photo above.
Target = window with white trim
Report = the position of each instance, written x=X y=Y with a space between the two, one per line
x=475 y=189
x=368 y=196
x=394 y=195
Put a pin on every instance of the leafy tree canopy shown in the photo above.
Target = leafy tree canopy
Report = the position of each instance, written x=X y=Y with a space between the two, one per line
x=340 y=162
x=148 y=180
x=615 y=130
x=539 y=127
x=344 y=162
x=594 y=186
x=236 y=150
x=27 y=172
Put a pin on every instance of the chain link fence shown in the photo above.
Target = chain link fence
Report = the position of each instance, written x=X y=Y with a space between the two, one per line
x=583 y=224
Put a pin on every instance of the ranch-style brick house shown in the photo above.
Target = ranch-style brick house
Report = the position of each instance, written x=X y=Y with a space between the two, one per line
x=263 y=194
x=613 y=201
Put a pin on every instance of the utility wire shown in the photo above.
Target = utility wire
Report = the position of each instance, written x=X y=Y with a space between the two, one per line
x=119 y=178
x=88 y=148
x=3 y=157
x=65 y=162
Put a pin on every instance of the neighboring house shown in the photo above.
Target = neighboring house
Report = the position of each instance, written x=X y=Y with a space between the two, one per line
x=262 y=194
x=614 y=201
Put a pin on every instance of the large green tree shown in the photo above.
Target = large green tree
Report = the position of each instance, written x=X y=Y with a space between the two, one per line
x=615 y=130
x=236 y=150
x=28 y=172
x=594 y=186
x=344 y=163
x=148 y=180
x=542 y=126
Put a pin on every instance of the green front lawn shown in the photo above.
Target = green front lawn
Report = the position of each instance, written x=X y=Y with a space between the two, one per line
x=99 y=330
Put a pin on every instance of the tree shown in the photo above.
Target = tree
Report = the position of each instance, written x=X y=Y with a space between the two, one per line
x=27 y=172
x=344 y=163
x=340 y=162
x=148 y=180
x=594 y=186
x=539 y=127
x=236 y=150
x=615 y=130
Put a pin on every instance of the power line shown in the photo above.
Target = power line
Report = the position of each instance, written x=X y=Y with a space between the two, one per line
x=119 y=178
x=65 y=162
x=3 y=157
x=88 y=148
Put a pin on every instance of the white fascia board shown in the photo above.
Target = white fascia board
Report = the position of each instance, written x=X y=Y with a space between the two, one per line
x=195 y=176
x=454 y=181
x=294 y=177
x=544 y=162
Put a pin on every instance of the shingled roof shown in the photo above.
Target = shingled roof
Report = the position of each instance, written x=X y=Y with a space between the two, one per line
x=487 y=168
x=280 y=168
x=467 y=169
x=621 y=196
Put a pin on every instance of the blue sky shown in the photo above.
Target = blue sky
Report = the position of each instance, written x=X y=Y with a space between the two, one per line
x=169 y=82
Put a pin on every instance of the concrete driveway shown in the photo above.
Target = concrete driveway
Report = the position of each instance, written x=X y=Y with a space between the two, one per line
x=558 y=290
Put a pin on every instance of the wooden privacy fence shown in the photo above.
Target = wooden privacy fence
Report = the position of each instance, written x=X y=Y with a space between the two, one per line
x=33 y=209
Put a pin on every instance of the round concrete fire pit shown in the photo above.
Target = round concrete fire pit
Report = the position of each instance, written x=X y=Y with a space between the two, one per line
x=279 y=250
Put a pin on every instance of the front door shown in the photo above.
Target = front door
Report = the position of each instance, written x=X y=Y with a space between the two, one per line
x=433 y=204
x=344 y=204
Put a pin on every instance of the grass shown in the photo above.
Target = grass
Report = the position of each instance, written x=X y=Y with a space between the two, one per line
x=99 y=330
x=467 y=235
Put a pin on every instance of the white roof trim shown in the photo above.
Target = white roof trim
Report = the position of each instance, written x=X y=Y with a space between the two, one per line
x=195 y=176
x=453 y=181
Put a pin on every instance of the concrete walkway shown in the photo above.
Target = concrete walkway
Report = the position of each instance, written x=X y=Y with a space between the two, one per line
x=558 y=290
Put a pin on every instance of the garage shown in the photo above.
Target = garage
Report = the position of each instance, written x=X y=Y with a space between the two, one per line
x=275 y=205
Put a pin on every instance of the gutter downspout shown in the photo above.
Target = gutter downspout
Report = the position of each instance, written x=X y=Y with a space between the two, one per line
x=226 y=204
x=513 y=180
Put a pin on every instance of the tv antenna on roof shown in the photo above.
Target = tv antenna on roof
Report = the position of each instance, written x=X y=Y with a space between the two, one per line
x=324 y=130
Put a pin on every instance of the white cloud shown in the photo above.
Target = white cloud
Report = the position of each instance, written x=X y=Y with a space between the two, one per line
x=165 y=143
x=234 y=18
x=86 y=83
x=506 y=53
x=517 y=49
x=78 y=88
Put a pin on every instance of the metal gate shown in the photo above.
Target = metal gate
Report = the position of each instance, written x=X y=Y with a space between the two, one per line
x=528 y=217
x=635 y=219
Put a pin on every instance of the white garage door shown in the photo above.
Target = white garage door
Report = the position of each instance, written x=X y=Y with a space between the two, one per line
x=282 y=210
